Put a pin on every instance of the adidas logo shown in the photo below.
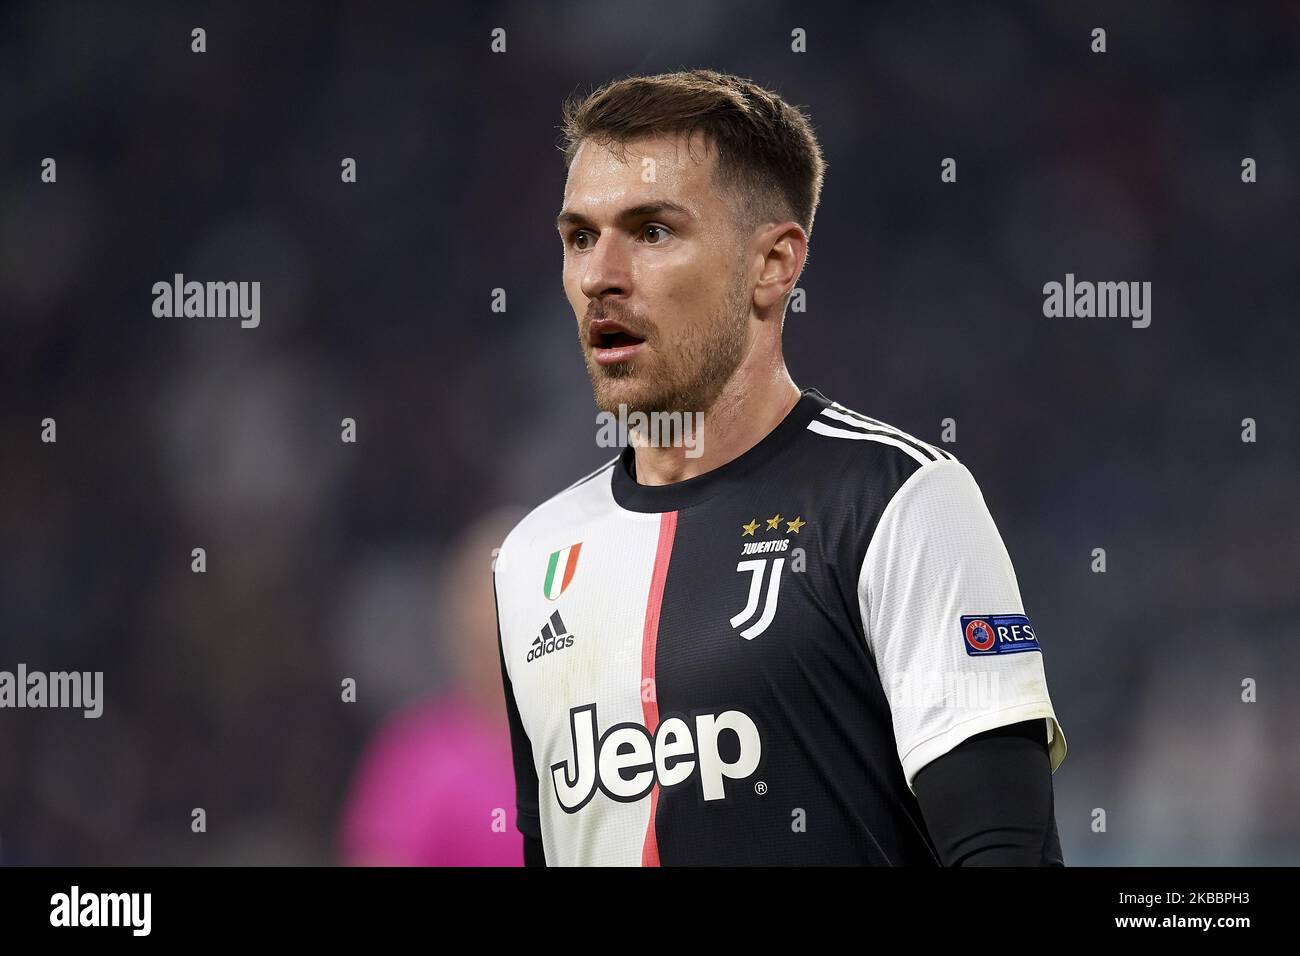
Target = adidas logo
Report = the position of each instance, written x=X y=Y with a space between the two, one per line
x=554 y=637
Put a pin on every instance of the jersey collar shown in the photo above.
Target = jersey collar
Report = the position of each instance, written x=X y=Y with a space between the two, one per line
x=632 y=496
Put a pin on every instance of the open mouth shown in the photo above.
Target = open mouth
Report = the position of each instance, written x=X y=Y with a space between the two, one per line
x=611 y=342
x=614 y=340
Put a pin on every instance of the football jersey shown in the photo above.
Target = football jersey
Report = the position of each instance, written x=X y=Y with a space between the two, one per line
x=750 y=666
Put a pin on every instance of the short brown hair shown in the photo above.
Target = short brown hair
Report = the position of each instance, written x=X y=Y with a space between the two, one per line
x=768 y=159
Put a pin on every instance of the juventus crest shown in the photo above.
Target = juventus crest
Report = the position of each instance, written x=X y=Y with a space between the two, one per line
x=765 y=572
x=760 y=570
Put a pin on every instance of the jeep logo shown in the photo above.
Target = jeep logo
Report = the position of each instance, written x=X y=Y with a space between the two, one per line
x=626 y=761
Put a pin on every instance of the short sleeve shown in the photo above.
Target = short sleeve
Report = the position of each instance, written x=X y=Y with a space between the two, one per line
x=944 y=620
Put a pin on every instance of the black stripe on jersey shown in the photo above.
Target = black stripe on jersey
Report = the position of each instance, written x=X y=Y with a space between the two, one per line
x=863 y=427
x=527 y=812
x=893 y=430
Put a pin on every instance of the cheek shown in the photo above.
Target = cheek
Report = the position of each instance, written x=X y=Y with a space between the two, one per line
x=572 y=286
x=690 y=294
x=677 y=278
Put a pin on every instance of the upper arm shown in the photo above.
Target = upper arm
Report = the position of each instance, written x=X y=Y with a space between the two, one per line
x=935 y=587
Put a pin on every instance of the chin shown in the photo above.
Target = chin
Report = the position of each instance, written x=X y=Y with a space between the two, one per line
x=628 y=388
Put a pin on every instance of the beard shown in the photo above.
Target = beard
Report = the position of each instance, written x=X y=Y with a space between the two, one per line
x=684 y=374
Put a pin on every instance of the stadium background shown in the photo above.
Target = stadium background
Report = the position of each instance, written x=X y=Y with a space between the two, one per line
x=328 y=560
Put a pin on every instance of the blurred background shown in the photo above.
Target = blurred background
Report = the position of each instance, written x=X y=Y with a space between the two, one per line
x=370 y=561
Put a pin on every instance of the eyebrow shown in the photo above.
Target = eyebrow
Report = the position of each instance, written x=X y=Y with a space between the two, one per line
x=641 y=211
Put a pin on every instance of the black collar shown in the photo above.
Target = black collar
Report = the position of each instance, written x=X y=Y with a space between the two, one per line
x=682 y=494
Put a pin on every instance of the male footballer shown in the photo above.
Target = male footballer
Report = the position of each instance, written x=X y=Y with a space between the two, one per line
x=801 y=640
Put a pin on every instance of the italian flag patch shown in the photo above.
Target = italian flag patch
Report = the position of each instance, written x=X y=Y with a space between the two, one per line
x=559 y=570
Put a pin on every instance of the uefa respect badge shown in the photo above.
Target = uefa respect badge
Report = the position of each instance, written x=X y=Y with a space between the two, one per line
x=997 y=634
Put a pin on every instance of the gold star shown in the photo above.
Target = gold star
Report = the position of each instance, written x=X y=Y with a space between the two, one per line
x=751 y=527
x=773 y=522
x=794 y=525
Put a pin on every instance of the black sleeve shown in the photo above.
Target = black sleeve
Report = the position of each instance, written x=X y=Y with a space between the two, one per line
x=528 y=820
x=533 y=853
x=989 y=800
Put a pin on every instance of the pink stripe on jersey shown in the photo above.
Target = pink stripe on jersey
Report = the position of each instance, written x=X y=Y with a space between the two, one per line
x=649 y=640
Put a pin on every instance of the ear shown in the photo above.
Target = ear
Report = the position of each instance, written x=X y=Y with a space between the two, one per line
x=785 y=247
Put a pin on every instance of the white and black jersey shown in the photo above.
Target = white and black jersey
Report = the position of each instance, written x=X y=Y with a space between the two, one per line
x=752 y=666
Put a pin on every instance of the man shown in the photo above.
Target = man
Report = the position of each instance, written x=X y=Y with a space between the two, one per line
x=798 y=641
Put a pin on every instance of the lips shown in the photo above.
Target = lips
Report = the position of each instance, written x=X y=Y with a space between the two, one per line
x=612 y=342
x=609 y=333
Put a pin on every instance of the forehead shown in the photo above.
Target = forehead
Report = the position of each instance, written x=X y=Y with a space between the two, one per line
x=602 y=181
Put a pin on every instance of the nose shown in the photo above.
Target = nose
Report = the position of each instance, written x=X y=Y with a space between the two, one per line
x=606 y=269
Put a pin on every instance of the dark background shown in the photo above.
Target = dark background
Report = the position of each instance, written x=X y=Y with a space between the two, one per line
x=329 y=560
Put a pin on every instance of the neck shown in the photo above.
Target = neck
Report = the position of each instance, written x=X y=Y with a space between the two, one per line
x=750 y=405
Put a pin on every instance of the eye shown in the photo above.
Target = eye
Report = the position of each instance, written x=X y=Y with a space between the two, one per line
x=575 y=238
x=655 y=228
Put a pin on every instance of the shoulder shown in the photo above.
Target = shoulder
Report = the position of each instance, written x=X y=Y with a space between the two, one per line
x=561 y=513
x=868 y=454
x=840 y=422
